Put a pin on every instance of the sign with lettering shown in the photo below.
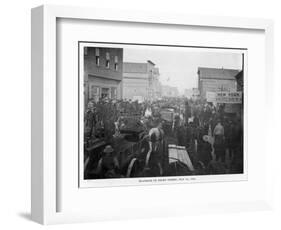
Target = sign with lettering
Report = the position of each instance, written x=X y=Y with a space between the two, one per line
x=224 y=97
x=211 y=96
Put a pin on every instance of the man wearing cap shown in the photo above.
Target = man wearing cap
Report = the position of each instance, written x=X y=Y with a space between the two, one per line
x=108 y=165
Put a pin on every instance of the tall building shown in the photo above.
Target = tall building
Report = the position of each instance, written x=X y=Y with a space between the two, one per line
x=103 y=73
x=214 y=80
x=141 y=81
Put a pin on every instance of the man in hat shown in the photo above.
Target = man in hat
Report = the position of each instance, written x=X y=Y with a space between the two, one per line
x=108 y=165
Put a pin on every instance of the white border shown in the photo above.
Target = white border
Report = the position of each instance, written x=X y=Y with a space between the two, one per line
x=43 y=187
x=158 y=180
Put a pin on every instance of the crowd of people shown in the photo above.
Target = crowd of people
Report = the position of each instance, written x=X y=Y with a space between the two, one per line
x=213 y=138
x=101 y=117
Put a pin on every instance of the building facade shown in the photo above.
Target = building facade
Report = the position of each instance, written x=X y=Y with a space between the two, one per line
x=103 y=73
x=141 y=81
x=215 y=80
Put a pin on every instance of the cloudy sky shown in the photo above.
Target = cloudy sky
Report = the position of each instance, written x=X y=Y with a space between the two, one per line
x=178 y=66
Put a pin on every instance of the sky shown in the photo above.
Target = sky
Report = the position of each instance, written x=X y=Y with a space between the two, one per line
x=178 y=66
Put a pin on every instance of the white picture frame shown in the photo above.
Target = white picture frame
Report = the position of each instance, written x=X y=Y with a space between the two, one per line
x=45 y=183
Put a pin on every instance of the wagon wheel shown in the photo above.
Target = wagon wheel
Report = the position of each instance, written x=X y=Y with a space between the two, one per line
x=133 y=168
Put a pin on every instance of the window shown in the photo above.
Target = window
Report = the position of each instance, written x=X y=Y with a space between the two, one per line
x=97 y=56
x=97 y=60
x=85 y=50
x=105 y=93
x=107 y=56
x=94 y=93
x=107 y=62
x=116 y=63
x=97 y=52
x=113 y=93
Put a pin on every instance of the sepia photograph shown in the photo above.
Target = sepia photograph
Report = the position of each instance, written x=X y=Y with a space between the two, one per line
x=157 y=111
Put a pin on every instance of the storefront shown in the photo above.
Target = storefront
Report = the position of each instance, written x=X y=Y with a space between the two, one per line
x=103 y=88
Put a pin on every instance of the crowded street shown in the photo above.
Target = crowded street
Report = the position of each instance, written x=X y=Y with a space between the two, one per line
x=148 y=116
x=168 y=137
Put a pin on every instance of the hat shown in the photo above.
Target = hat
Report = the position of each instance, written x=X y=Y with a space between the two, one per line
x=206 y=138
x=108 y=149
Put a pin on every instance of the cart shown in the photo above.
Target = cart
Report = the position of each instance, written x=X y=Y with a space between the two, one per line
x=130 y=147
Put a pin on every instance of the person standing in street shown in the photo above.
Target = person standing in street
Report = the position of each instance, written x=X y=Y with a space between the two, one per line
x=219 y=145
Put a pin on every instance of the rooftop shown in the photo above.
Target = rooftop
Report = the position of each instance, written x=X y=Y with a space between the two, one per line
x=216 y=73
x=133 y=67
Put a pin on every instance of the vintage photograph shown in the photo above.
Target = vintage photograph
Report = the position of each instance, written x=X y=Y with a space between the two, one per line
x=160 y=111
